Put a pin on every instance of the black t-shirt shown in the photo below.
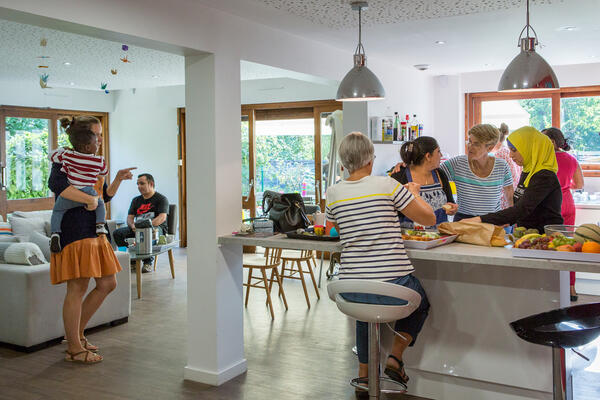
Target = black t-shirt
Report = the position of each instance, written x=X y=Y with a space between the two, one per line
x=149 y=208
x=537 y=205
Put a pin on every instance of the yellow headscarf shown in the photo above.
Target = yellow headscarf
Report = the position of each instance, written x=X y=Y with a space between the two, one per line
x=537 y=151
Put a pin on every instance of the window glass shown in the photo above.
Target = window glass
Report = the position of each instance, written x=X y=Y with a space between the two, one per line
x=580 y=124
x=518 y=113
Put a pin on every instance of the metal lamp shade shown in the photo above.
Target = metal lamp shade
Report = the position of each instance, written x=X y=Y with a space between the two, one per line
x=360 y=84
x=528 y=71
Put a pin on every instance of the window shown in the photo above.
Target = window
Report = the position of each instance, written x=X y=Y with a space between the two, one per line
x=580 y=123
x=27 y=137
x=576 y=111
x=285 y=148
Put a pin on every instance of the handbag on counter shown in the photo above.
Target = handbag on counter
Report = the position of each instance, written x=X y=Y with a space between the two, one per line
x=286 y=210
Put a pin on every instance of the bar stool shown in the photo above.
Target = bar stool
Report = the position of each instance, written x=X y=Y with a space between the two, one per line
x=374 y=315
x=562 y=328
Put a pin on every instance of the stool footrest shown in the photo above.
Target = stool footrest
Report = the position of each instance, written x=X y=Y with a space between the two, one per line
x=360 y=383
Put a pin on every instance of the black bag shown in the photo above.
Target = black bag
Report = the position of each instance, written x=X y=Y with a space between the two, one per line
x=286 y=210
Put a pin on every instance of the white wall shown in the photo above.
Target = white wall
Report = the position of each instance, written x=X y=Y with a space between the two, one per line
x=143 y=134
x=257 y=91
x=19 y=94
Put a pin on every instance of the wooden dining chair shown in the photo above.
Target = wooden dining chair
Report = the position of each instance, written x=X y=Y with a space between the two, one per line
x=291 y=268
x=270 y=261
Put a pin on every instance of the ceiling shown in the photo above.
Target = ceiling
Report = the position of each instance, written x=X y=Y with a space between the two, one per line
x=478 y=35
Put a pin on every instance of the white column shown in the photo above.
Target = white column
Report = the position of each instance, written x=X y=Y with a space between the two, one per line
x=356 y=117
x=214 y=289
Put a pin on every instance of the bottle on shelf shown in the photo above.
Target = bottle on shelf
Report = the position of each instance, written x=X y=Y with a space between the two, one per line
x=403 y=131
x=396 y=126
x=414 y=124
x=407 y=137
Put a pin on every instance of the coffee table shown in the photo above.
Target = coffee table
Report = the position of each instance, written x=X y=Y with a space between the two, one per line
x=156 y=251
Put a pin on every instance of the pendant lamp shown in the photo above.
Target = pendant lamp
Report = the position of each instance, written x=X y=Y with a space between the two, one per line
x=360 y=84
x=528 y=70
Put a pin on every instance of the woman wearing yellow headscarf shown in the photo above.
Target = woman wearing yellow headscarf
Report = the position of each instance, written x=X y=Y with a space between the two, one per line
x=538 y=197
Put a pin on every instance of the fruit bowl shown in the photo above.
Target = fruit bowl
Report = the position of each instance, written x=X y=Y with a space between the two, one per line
x=565 y=230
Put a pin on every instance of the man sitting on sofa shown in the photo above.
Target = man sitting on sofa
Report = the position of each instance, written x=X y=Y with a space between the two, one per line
x=149 y=205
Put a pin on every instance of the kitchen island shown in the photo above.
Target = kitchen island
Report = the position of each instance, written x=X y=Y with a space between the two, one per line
x=467 y=349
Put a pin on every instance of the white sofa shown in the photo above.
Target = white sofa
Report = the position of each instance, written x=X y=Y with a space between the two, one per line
x=31 y=307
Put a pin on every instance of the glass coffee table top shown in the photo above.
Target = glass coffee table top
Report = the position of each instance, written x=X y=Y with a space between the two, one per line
x=156 y=250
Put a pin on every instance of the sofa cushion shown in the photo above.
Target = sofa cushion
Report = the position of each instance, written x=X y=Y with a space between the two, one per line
x=21 y=253
x=43 y=242
x=26 y=226
x=5 y=229
x=43 y=214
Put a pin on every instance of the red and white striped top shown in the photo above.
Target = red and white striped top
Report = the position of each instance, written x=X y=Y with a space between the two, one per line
x=82 y=169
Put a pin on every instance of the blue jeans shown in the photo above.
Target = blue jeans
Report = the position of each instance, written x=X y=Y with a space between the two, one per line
x=62 y=205
x=411 y=325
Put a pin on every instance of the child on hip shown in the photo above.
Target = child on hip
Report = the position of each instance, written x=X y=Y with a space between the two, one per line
x=82 y=166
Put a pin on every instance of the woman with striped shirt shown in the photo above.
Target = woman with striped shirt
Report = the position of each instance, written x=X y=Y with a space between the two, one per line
x=364 y=208
x=480 y=178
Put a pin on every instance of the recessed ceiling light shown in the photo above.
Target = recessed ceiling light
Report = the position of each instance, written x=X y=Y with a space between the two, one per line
x=155 y=76
x=72 y=83
x=440 y=42
x=422 y=67
x=66 y=63
x=567 y=28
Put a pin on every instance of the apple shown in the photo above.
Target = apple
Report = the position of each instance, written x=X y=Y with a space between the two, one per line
x=577 y=246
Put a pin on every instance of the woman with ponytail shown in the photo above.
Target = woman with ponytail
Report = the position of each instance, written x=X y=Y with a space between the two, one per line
x=422 y=158
x=570 y=177
x=501 y=151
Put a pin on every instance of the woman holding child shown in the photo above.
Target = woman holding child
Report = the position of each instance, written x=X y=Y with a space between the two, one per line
x=81 y=250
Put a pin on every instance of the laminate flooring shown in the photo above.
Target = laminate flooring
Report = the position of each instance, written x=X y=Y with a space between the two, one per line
x=303 y=354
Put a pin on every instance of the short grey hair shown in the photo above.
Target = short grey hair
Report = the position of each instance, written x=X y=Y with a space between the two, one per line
x=356 y=150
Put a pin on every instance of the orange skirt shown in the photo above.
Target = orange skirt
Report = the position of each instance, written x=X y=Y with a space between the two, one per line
x=85 y=258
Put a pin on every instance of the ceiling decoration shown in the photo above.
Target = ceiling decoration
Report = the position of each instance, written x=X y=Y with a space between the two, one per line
x=337 y=13
x=83 y=62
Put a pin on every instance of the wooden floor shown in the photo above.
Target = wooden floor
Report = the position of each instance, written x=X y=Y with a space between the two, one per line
x=303 y=354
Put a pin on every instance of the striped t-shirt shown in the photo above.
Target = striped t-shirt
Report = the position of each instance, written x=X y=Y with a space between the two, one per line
x=476 y=195
x=82 y=169
x=366 y=212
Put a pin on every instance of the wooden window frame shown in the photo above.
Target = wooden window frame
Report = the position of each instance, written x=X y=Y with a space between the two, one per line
x=473 y=109
x=286 y=110
x=53 y=115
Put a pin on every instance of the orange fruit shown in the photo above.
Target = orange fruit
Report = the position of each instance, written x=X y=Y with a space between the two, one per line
x=590 y=247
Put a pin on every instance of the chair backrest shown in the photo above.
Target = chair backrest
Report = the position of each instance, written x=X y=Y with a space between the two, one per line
x=374 y=312
x=172 y=219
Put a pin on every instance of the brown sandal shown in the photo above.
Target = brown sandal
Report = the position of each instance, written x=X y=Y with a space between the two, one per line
x=85 y=344
x=70 y=357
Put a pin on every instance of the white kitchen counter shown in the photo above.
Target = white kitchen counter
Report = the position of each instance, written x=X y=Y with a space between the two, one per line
x=467 y=349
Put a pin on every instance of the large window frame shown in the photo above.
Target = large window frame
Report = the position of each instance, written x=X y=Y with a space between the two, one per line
x=287 y=110
x=473 y=109
x=44 y=203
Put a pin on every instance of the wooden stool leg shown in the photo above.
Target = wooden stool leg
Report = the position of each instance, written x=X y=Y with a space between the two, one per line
x=172 y=263
x=281 y=292
x=303 y=282
x=312 y=276
x=265 y=280
x=248 y=286
x=155 y=261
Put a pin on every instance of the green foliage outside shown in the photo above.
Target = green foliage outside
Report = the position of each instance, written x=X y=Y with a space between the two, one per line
x=26 y=158
x=283 y=163
x=580 y=123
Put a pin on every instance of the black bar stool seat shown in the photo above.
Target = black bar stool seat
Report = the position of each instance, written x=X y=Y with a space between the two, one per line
x=565 y=327
x=562 y=328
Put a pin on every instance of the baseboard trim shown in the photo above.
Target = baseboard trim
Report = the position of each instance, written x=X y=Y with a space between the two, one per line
x=212 y=378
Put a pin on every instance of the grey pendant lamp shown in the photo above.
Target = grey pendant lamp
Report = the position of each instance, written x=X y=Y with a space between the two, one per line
x=528 y=70
x=360 y=84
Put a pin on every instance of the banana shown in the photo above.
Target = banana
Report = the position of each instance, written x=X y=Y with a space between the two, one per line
x=525 y=237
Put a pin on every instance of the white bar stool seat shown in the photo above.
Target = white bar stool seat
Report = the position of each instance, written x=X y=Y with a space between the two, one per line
x=374 y=315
